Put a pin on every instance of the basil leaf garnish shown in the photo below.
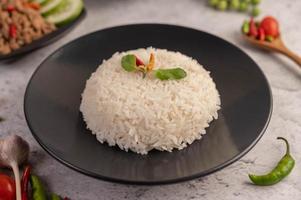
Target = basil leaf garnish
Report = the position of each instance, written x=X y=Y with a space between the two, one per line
x=128 y=63
x=170 y=74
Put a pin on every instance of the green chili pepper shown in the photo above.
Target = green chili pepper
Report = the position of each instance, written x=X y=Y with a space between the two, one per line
x=38 y=191
x=55 y=197
x=283 y=168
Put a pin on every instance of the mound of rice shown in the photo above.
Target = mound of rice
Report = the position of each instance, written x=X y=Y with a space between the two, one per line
x=121 y=108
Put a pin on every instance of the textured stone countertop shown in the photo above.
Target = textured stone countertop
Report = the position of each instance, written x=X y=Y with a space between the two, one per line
x=230 y=183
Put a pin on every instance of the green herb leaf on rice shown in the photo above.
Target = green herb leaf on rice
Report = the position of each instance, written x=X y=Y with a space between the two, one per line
x=128 y=63
x=170 y=74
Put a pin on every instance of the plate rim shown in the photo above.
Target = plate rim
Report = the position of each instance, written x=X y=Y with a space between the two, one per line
x=166 y=181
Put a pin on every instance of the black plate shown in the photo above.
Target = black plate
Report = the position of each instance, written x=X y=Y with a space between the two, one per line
x=53 y=97
x=45 y=40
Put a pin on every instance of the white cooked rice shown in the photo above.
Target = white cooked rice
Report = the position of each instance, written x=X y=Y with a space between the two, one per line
x=121 y=108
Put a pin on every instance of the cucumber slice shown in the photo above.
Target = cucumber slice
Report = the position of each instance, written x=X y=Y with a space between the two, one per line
x=66 y=13
x=50 y=5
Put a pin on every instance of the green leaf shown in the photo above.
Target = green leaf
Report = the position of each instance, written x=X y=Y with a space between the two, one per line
x=170 y=74
x=128 y=63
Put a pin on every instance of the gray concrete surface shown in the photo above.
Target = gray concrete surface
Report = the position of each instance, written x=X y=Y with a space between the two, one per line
x=230 y=183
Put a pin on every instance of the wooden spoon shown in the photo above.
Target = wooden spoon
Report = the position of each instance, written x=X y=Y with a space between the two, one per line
x=276 y=45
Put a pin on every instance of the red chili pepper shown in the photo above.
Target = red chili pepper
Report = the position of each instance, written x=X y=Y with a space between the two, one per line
x=66 y=198
x=12 y=31
x=10 y=8
x=24 y=182
x=261 y=34
x=253 y=29
x=138 y=61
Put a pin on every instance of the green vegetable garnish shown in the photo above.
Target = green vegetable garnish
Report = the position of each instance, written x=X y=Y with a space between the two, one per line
x=170 y=74
x=128 y=63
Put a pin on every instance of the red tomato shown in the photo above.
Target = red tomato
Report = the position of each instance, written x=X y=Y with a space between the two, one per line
x=270 y=26
x=7 y=188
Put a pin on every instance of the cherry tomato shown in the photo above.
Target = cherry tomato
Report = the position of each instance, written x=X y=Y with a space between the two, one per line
x=270 y=26
x=7 y=188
